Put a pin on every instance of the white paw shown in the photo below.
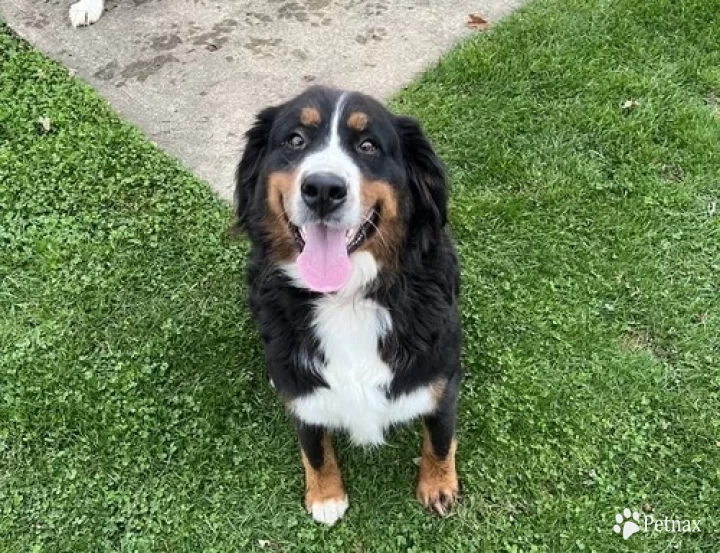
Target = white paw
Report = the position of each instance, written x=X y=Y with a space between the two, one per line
x=86 y=12
x=330 y=511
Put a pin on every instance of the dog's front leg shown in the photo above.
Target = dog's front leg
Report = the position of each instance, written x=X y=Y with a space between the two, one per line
x=438 y=483
x=325 y=497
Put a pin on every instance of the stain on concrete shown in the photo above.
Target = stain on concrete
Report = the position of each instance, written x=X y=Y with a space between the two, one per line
x=303 y=10
x=262 y=47
x=293 y=10
x=370 y=9
x=107 y=72
x=257 y=18
x=164 y=42
x=376 y=34
x=316 y=5
x=218 y=36
x=38 y=20
x=142 y=69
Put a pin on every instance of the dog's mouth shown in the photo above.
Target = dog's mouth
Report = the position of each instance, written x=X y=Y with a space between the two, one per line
x=354 y=237
x=324 y=261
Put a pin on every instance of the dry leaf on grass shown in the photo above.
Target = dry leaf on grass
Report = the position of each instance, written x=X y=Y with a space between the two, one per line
x=44 y=124
x=477 y=22
x=629 y=104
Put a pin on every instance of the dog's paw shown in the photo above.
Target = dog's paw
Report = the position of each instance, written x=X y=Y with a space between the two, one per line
x=86 y=12
x=438 y=494
x=328 y=511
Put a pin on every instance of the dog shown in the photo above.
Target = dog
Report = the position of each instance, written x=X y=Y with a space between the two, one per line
x=353 y=282
x=86 y=12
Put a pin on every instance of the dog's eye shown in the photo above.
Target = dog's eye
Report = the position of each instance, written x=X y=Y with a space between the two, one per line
x=295 y=141
x=367 y=147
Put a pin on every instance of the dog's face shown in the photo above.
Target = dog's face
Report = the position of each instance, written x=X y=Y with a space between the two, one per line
x=331 y=174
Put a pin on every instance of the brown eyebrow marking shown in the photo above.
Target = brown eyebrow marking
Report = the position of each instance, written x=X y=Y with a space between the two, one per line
x=310 y=116
x=358 y=121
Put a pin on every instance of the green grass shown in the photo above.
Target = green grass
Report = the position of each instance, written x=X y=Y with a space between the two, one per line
x=134 y=415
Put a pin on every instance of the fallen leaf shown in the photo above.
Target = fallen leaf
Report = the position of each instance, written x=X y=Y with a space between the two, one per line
x=44 y=125
x=629 y=104
x=477 y=22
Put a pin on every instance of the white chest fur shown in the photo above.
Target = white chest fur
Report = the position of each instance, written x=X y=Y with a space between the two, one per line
x=349 y=327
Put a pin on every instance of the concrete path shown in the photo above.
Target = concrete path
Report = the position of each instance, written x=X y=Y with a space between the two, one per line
x=192 y=73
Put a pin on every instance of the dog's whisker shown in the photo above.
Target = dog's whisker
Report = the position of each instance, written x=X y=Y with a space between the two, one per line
x=377 y=229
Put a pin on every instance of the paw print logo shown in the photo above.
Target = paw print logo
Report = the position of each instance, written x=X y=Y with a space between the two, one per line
x=629 y=525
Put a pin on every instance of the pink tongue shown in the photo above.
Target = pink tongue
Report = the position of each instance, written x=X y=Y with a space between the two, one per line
x=324 y=264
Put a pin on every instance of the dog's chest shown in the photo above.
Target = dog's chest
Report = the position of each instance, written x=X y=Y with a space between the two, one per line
x=349 y=331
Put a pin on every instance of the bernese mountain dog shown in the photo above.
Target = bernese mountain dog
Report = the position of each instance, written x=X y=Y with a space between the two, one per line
x=353 y=283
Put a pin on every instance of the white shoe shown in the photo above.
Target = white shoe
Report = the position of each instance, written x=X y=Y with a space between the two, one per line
x=86 y=12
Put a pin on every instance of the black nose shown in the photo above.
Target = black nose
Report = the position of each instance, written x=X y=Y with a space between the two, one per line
x=323 y=192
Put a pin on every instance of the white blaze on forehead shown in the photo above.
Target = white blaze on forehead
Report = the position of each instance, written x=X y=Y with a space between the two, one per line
x=332 y=158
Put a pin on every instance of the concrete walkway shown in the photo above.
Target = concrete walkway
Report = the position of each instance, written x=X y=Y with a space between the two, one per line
x=192 y=73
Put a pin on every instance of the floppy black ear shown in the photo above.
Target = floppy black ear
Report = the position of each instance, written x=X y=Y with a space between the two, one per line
x=248 y=170
x=426 y=176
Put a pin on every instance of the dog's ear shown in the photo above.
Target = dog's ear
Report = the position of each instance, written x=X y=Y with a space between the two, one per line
x=426 y=177
x=248 y=170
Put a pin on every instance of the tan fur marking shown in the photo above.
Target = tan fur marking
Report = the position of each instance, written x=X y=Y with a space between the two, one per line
x=310 y=116
x=279 y=191
x=324 y=484
x=357 y=121
x=437 y=389
x=438 y=484
x=386 y=242
x=378 y=191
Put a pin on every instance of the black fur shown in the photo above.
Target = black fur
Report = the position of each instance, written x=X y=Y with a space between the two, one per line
x=428 y=184
x=248 y=170
x=310 y=437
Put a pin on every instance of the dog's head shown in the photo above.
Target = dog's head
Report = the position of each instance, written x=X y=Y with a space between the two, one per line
x=330 y=178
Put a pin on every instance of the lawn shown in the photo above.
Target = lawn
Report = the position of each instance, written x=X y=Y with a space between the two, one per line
x=583 y=141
